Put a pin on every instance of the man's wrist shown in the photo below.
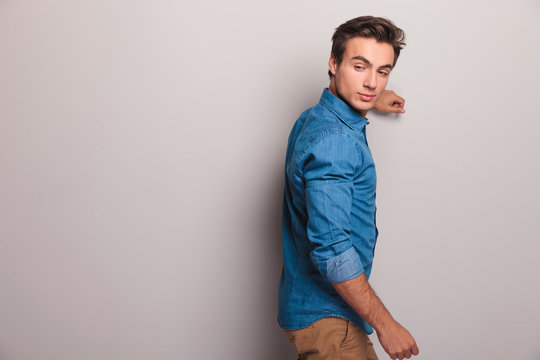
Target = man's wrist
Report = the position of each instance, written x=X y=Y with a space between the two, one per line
x=384 y=324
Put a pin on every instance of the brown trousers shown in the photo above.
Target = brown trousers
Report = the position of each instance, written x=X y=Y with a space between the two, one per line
x=332 y=338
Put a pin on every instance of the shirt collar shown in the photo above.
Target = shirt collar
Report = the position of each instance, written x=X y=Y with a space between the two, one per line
x=343 y=111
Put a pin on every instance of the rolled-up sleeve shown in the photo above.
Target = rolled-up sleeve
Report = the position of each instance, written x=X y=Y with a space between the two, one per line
x=329 y=171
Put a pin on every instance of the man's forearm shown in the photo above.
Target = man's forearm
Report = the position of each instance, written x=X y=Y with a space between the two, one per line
x=394 y=338
x=360 y=296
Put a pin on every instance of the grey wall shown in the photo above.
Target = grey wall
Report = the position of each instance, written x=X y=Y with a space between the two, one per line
x=141 y=154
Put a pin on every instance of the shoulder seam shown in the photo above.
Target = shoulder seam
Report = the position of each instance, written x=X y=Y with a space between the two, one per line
x=323 y=135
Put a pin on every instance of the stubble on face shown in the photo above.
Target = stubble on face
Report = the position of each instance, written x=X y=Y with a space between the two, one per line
x=363 y=73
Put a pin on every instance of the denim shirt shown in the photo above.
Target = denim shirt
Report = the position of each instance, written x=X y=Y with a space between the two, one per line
x=328 y=221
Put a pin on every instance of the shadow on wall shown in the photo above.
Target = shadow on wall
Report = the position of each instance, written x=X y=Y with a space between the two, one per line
x=302 y=92
x=275 y=345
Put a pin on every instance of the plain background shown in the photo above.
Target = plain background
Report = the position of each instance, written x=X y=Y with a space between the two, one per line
x=141 y=157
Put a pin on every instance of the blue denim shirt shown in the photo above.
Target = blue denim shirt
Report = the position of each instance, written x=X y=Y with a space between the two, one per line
x=328 y=224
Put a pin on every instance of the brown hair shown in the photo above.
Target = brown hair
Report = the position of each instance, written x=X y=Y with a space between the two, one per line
x=381 y=29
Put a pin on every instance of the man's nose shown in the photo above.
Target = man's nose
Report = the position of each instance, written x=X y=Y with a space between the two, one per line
x=370 y=80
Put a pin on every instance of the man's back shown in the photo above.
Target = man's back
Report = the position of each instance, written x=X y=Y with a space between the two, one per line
x=329 y=230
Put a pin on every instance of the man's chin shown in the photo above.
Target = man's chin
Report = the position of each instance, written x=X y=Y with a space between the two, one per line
x=360 y=107
x=363 y=108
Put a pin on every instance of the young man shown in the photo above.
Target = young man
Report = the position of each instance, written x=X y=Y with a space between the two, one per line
x=326 y=305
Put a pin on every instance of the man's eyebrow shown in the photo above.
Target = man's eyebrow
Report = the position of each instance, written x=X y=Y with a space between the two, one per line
x=361 y=58
x=358 y=57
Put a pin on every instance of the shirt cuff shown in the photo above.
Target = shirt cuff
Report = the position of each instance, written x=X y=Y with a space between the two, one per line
x=342 y=267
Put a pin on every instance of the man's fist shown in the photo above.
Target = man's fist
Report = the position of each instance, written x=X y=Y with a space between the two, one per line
x=390 y=102
x=397 y=341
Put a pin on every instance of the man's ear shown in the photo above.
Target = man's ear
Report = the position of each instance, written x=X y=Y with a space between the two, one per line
x=332 y=65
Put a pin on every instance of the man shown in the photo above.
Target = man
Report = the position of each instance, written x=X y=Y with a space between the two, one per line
x=326 y=305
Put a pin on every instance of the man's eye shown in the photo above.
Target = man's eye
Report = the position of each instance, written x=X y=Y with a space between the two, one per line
x=383 y=73
x=359 y=67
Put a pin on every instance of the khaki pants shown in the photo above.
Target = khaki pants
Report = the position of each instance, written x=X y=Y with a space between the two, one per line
x=332 y=338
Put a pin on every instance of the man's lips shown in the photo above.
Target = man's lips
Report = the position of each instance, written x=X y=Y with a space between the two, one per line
x=366 y=97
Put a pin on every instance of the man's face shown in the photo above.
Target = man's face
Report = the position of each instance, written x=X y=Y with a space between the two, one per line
x=363 y=73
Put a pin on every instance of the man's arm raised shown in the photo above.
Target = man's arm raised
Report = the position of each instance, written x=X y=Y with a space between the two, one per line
x=394 y=338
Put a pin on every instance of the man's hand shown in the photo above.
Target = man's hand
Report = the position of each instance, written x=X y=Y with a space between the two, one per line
x=397 y=341
x=394 y=338
x=390 y=102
